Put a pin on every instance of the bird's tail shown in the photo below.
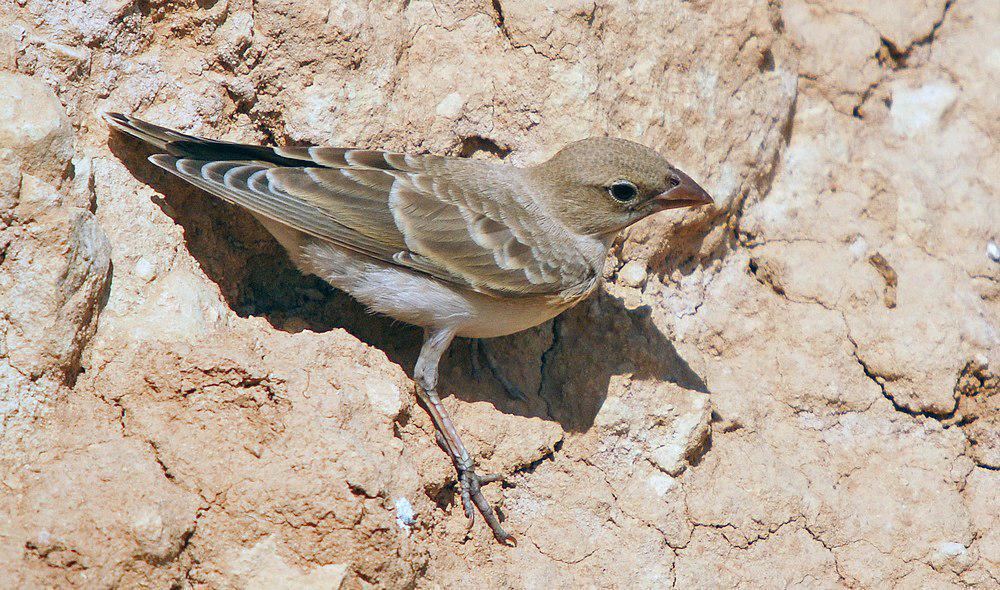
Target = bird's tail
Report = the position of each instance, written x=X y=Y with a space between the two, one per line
x=159 y=137
x=183 y=145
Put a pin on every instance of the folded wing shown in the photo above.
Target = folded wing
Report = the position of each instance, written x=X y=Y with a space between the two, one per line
x=456 y=220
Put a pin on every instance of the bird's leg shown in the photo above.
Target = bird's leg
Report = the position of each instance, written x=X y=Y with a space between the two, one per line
x=482 y=350
x=425 y=374
x=474 y=359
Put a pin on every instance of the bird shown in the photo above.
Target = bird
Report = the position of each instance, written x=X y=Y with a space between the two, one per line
x=460 y=247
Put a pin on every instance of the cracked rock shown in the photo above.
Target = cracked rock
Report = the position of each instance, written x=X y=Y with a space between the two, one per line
x=795 y=387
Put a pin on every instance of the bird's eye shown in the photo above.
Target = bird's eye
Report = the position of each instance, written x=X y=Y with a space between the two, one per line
x=623 y=191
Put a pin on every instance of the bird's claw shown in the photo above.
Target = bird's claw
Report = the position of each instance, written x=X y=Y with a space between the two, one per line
x=492 y=478
x=470 y=485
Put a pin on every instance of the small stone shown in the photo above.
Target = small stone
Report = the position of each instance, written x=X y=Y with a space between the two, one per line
x=145 y=270
x=951 y=549
x=993 y=251
x=661 y=483
x=950 y=555
x=450 y=106
x=384 y=396
x=148 y=530
x=675 y=443
x=634 y=274
x=264 y=566
x=614 y=414
x=405 y=515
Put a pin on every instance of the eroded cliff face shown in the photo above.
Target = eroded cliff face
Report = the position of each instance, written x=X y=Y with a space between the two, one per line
x=796 y=388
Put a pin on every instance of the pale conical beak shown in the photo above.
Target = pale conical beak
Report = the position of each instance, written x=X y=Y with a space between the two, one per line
x=686 y=193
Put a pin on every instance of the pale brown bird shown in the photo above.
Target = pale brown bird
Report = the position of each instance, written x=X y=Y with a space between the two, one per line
x=460 y=247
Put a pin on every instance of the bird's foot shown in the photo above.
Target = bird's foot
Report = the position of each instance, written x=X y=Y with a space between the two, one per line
x=470 y=486
x=480 y=350
x=470 y=489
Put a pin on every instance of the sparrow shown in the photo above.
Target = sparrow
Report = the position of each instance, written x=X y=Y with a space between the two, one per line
x=458 y=246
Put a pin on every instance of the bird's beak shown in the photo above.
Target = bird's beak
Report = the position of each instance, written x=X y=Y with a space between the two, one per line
x=687 y=193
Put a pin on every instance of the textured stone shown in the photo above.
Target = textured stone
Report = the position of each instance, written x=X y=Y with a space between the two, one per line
x=54 y=258
x=34 y=125
x=794 y=388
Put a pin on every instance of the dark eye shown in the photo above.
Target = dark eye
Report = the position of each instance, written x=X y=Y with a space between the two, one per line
x=623 y=190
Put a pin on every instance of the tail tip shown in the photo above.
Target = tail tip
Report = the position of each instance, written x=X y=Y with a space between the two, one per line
x=115 y=119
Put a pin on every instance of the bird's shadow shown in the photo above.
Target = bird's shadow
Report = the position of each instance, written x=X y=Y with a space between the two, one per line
x=564 y=366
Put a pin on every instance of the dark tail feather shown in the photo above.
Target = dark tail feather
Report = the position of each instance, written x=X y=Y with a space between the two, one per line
x=183 y=145
x=159 y=137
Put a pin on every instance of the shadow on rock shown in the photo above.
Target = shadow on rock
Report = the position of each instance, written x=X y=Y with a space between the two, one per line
x=565 y=366
x=597 y=341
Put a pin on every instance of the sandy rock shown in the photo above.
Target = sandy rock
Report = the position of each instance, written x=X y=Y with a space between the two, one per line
x=151 y=525
x=54 y=257
x=48 y=327
x=868 y=35
x=917 y=110
x=787 y=558
x=956 y=49
x=978 y=412
x=261 y=567
x=796 y=387
x=983 y=506
x=843 y=75
x=34 y=125
x=89 y=500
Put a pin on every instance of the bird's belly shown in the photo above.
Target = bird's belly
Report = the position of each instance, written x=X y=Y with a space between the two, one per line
x=501 y=317
x=420 y=300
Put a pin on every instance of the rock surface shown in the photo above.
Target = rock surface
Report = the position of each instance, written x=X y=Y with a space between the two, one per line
x=796 y=388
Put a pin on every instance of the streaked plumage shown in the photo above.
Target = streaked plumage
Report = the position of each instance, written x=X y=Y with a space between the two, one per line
x=460 y=247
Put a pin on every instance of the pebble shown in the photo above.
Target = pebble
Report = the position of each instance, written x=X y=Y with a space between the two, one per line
x=405 y=515
x=144 y=269
x=634 y=274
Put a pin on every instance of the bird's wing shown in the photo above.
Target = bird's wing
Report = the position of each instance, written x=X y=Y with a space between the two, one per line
x=438 y=216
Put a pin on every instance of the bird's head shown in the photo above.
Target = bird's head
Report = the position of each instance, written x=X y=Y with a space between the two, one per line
x=600 y=186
